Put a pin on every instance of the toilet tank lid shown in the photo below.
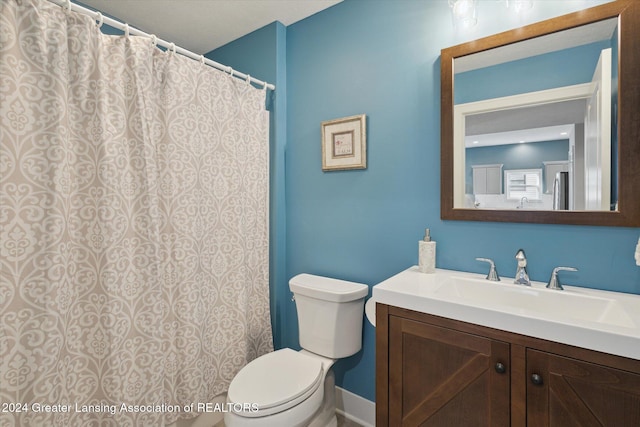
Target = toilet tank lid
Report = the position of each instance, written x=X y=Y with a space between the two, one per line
x=327 y=289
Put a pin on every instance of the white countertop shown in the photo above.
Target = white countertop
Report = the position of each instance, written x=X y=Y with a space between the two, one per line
x=598 y=320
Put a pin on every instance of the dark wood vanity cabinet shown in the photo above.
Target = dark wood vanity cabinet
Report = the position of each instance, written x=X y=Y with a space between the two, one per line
x=572 y=392
x=444 y=377
x=433 y=371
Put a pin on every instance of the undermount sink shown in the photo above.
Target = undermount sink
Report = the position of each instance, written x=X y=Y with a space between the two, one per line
x=536 y=300
x=589 y=318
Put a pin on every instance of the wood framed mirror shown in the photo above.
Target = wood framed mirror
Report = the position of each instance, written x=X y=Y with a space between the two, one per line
x=602 y=183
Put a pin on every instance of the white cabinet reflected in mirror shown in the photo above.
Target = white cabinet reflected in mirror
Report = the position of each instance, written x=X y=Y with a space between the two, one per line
x=533 y=106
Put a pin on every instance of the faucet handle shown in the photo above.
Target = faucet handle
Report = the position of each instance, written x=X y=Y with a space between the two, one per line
x=554 y=281
x=493 y=273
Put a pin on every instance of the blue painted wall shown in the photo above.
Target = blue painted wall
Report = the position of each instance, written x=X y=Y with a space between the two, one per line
x=381 y=58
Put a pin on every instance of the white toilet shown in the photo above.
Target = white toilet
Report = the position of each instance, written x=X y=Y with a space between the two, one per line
x=297 y=388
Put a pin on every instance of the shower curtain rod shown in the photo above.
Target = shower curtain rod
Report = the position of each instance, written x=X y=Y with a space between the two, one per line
x=70 y=6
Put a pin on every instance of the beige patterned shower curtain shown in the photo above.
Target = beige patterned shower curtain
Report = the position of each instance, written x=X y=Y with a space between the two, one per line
x=134 y=225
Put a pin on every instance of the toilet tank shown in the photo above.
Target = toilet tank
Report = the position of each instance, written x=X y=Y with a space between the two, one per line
x=330 y=313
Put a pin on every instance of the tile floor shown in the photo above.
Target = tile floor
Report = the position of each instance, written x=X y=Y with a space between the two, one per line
x=342 y=422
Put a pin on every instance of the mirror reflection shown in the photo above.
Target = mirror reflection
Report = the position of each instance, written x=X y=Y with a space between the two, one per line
x=535 y=123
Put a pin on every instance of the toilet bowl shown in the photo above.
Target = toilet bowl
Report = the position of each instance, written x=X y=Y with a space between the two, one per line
x=297 y=388
x=283 y=388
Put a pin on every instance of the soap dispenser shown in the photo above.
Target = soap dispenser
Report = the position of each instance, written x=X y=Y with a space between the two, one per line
x=427 y=254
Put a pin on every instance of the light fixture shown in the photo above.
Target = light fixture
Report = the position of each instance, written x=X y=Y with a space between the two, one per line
x=463 y=13
x=519 y=6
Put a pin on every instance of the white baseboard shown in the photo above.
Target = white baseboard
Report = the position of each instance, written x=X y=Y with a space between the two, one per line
x=355 y=408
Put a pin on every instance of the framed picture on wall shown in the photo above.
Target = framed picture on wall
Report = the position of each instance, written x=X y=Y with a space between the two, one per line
x=344 y=143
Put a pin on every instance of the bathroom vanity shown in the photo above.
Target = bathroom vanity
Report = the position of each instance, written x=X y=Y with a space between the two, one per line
x=455 y=349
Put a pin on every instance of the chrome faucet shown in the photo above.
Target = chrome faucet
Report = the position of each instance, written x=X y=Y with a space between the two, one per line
x=493 y=273
x=522 y=278
x=522 y=200
x=554 y=281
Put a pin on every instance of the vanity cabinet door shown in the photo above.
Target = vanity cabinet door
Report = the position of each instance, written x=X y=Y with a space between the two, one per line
x=443 y=377
x=565 y=392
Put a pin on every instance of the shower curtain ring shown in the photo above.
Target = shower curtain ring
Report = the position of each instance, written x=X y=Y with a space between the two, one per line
x=230 y=72
x=100 y=19
x=264 y=86
x=248 y=80
x=68 y=7
x=172 y=47
x=126 y=30
x=202 y=59
x=154 y=40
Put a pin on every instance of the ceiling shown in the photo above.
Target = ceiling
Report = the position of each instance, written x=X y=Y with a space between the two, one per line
x=204 y=25
x=536 y=123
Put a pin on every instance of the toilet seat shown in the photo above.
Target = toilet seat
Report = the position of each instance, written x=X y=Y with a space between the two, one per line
x=275 y=382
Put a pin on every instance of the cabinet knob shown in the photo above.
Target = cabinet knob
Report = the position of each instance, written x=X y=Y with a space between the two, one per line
x=500 y=368
x=536 y=379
